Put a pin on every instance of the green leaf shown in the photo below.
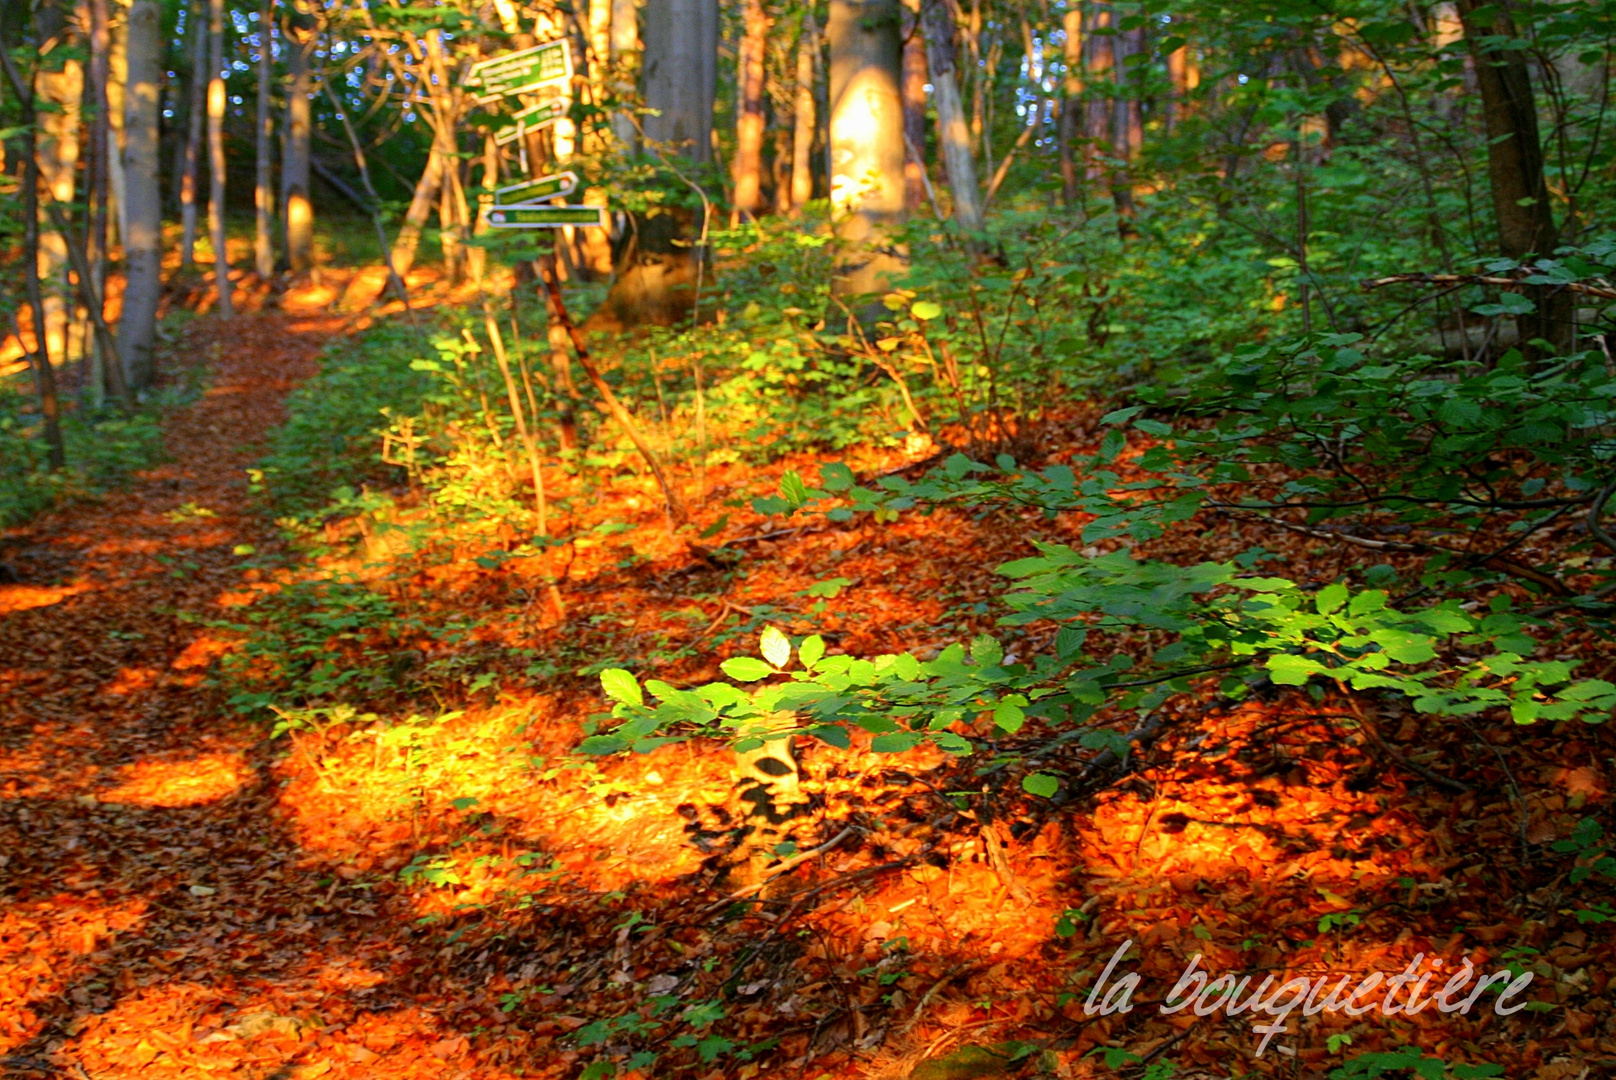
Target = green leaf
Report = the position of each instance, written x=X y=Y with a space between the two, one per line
x=811 y=651
x=1009 y=717
x=925 y=310
x=775 y=646
x=894 y=742
x=746 y=669
x=1040 y=784
x=1288 y=670
x=621 y=686
x=1330 y=598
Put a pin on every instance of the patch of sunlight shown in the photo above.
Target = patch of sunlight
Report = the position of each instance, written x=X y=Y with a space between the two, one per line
x=44 y=949
x=189 y=782
x=24 y=597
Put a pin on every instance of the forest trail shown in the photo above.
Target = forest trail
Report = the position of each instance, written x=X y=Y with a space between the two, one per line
x=155 y=917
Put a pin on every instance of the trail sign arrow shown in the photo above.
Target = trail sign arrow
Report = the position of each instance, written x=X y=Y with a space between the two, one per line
x=545 y=217
x=532 y=191
x=522 y=72
x=532 y=118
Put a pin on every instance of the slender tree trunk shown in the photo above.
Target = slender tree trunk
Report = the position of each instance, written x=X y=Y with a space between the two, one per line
x=747 y=169
x=59 y=85
x=193 y=135
x=1097 y=120
x=216 y=159
x=44 y=375
x=914 y=108
x=117 y=107
x=142 y=249
x=1127 y=129
x=804 y=123
x=1071 y=103
x=953 y=130
x=415 y=217
x=100 y=53
x=299 y=33
x=263 y=191
x=1521 y=204
x=1183 y=76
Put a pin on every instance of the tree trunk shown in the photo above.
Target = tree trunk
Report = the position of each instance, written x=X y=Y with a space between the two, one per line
x=100 y=57
x=216 y=159
x=914 y=108
x=1521 y=205
x=193 y=136
x=866 y=136
x=747 y=169
x=1183 y=76
x=1071 y=104
x=1097 y=119
x=625 y=48
x=1127 y=129
x=953 y=130
x=421 y=203
x=117 y=78
x=804 y=123
x=142 y=244
x=263 y=193
x=658 y=268
x=299 y=32
x=59 y=90
x=681 y=69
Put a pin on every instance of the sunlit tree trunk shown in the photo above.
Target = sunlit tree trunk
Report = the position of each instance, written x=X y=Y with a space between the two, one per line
x=1183 y=76
x=866 y=138
x=263 y=191
x=195 y=121
x=117 y=79
x=1071 y=102
x=59 y=90
x=625 y=49
x=914 y=108
x=216 y=159
x=747 y=169
x=299 y=32
x=804 y=122
x=953 y=130
x=142 y=250
x=96 y=239
x=1521 y=206
x=422 y=201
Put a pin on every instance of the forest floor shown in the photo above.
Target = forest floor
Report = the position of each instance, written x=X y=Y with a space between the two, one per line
x=181 y=895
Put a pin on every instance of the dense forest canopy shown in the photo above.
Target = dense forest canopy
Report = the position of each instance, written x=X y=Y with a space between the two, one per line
x=852 y=538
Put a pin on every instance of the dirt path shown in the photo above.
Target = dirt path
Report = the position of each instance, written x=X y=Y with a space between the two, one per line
x=154 y=916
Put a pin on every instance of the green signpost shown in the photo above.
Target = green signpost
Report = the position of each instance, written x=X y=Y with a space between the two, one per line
x=531 y=191
x=532 y=118
x=522 y=72
x=545 y=217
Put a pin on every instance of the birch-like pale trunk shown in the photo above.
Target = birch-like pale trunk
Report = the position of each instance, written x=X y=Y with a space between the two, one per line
x=216 y=159
x=953 y=129
x=625 y=51
x=142 y=248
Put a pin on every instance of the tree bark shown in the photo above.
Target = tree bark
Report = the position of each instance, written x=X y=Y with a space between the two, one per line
x=142 y=246
x=914 y=108
x=96 y=240
x=1071 y=103
x=681 y=70
x=415 y=217
x=263 y=194
x=117 y=78
x=747 y=169
x=193 y=137
x=953 y=129
x=59 y=85
x=866 y=136
x=625 y=48
x=216 y=159
x=804 y=123
x=1127 y=121
x=1521 y=206
x=299 y=31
